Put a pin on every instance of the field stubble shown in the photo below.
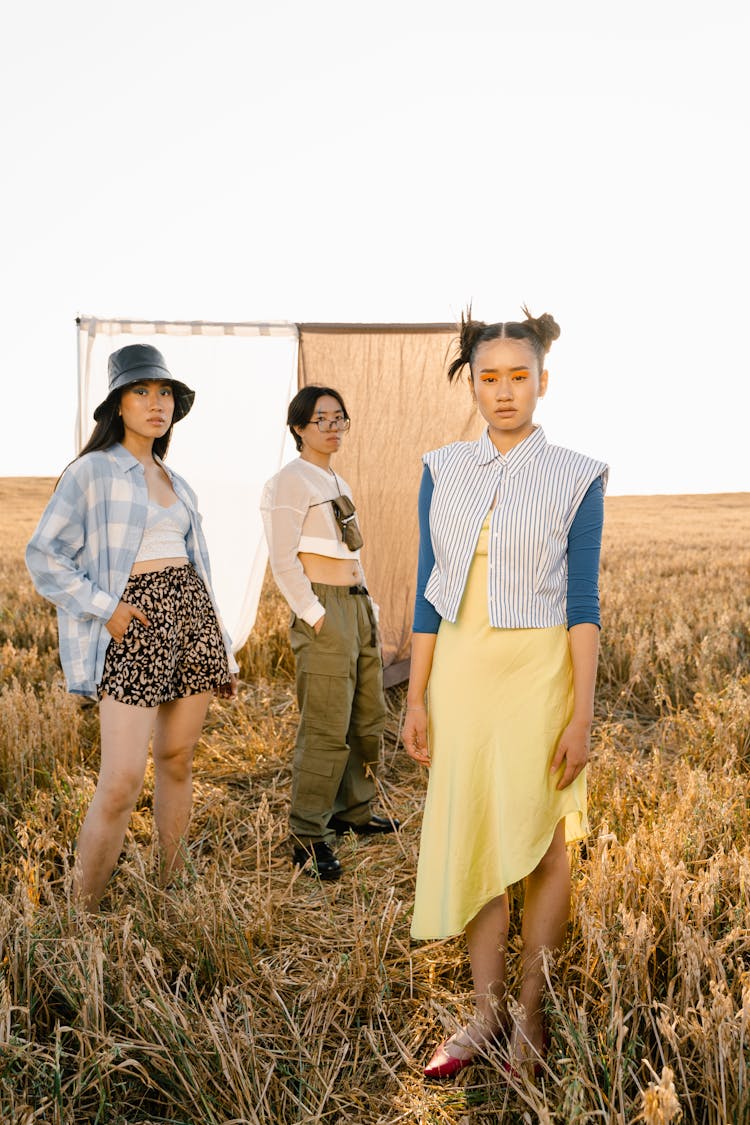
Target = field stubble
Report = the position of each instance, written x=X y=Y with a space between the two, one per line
x=249 y=994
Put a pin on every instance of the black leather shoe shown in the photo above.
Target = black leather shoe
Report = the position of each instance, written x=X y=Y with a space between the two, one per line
x=322 y=860
x=375 y=826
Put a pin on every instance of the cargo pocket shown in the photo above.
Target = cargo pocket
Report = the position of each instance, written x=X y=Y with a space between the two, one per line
x=314 y=789
x=322 y=690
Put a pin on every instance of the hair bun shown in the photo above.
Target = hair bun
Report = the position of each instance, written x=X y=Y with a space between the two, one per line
x=544 y=327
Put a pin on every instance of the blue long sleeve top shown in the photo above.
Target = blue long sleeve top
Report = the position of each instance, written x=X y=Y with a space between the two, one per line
x=584 y=547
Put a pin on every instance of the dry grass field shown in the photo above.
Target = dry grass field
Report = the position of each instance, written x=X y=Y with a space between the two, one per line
x=249 y=994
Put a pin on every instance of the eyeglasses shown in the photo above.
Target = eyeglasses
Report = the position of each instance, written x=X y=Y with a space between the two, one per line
x=328 y=425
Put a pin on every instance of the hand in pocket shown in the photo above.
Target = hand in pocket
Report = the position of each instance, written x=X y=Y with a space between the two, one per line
x=121 y=618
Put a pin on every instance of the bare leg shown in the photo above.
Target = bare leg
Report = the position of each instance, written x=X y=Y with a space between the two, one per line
x=545 y=916
x=178 y=728
x=487 y=939
x=125 y=734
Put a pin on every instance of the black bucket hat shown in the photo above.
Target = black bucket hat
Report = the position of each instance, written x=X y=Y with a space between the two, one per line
x=133 y=364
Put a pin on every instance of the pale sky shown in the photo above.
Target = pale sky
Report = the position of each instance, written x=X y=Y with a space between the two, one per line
x=338 y=161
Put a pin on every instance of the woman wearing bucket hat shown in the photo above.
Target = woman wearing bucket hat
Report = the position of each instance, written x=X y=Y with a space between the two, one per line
x=119 y=550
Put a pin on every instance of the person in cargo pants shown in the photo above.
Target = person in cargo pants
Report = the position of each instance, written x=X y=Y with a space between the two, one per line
x=314 y=545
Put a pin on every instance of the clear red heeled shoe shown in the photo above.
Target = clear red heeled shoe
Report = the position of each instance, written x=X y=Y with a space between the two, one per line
x=445 y=1065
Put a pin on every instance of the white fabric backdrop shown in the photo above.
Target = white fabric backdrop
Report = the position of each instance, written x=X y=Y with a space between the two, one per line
x=234 y=438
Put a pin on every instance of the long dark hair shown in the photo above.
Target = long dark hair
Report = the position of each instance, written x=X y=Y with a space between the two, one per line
x=110 y=430
x=540 y=332
x=301 y=408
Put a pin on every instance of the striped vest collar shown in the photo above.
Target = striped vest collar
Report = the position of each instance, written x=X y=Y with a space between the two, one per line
x=515 y=459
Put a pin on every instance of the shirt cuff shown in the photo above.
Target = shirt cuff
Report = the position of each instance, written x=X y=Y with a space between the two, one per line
x=313 y=615
x=104 y=605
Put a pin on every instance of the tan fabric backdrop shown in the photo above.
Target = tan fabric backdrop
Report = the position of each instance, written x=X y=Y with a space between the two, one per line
x=393 y=381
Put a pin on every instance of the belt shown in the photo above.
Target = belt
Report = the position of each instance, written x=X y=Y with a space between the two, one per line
x=359 y=590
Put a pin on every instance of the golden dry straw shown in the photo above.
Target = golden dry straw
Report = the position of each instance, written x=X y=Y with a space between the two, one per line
x=250 y=994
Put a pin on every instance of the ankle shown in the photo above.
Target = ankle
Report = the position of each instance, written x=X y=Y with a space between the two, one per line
x=479 y=1031
x=528 y=1039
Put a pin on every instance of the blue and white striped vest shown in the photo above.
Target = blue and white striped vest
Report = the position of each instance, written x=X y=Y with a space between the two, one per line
x=536 y=489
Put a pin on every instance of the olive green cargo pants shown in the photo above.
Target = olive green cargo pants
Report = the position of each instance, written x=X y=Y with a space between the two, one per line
x=342 y=714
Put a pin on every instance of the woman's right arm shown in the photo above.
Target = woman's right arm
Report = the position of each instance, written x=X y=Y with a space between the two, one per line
x=414 y=732
x=284 y=508
x=55 y=550
x=426 y=624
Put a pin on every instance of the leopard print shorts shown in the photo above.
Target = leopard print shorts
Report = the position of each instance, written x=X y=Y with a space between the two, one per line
x=180 y=653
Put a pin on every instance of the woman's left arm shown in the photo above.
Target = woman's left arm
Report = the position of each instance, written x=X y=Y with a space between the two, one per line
x=584 y=547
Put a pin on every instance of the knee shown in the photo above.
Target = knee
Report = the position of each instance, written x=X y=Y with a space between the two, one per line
x=116 y=796
x=555 y=859
x=174 y=764
x=366 y=747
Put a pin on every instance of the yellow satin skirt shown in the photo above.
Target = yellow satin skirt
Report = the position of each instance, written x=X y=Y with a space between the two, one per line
x=499 y=700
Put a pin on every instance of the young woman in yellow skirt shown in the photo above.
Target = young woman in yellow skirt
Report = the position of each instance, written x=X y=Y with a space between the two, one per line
x=503 y=668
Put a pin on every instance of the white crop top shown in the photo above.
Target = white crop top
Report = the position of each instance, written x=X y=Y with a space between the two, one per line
x=298 y=516
x=165 y=532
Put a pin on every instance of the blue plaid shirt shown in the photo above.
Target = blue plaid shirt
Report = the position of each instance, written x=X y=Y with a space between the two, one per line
x=82 y=552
